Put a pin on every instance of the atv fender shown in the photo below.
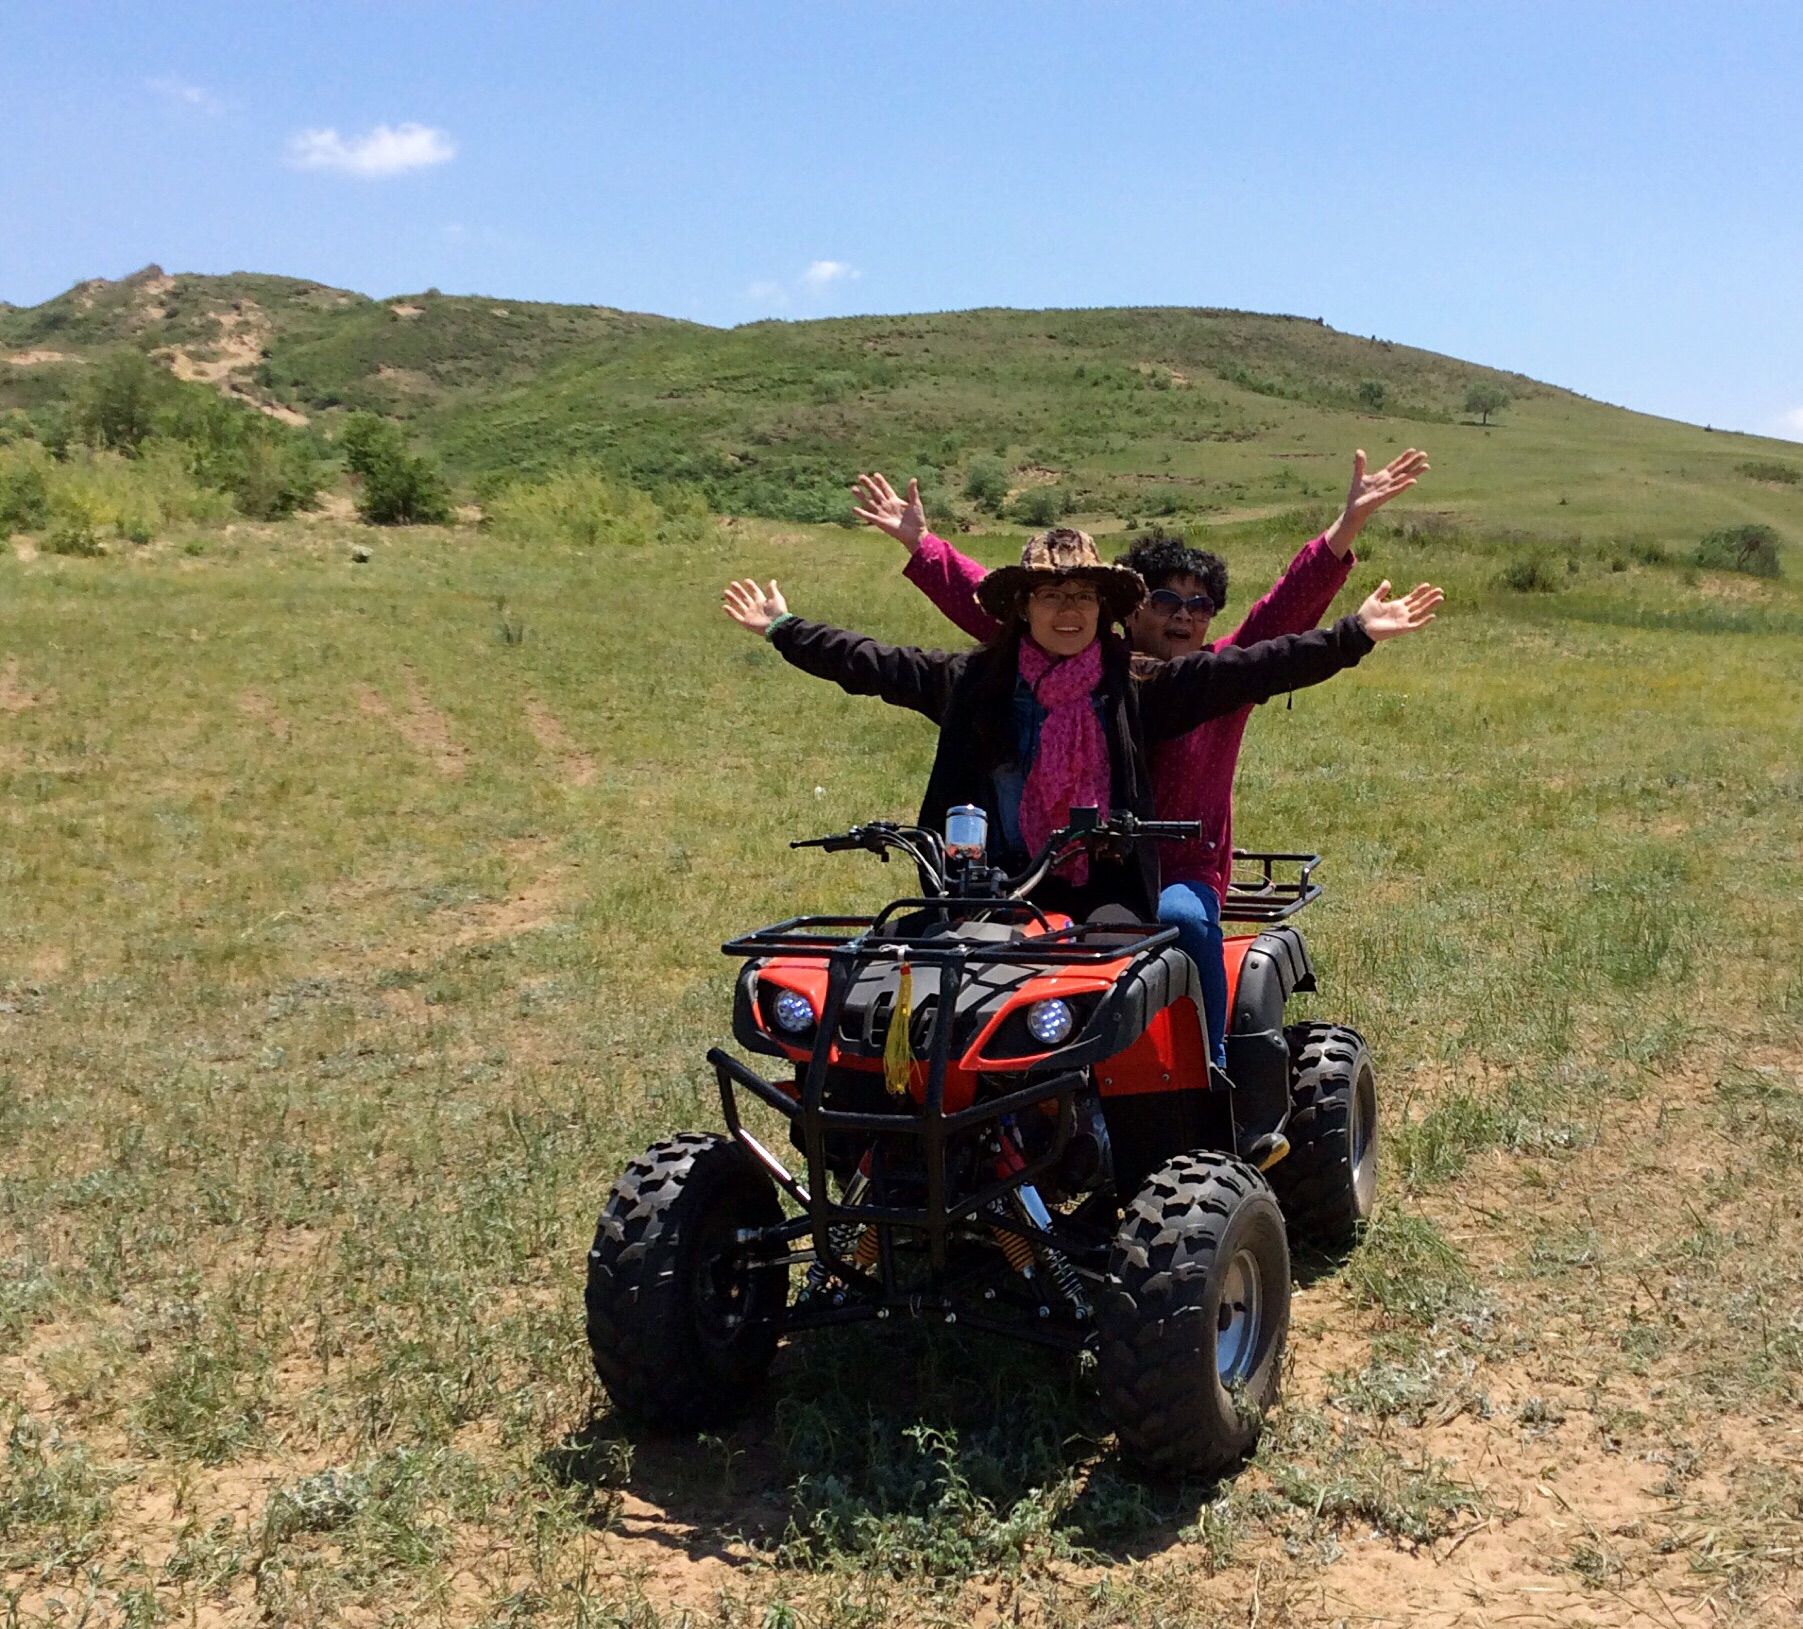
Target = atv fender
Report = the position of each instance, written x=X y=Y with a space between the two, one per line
x=1272 y=967
x=1158 y=1097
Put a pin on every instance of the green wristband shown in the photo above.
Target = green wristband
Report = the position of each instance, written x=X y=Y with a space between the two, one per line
x=777 y=622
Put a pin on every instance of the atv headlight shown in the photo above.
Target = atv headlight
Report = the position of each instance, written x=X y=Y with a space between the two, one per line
x=792 y=1012
x=1050 y=1022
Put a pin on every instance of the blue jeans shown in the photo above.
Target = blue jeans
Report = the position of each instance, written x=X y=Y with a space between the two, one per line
x=1194 y=910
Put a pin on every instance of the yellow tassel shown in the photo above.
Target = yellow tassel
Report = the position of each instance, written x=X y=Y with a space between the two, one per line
x=898 y=1050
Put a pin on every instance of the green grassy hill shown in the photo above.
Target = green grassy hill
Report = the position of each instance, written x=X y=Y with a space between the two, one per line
x=1200 y=415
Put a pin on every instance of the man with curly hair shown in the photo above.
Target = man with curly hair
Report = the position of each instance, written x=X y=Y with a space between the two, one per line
x=1192 y=776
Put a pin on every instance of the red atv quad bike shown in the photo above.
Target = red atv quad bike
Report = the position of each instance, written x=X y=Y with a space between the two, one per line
x=1007 y=1121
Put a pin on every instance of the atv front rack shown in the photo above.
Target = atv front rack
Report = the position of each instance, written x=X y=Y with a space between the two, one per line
x=1269 y=897
x=846 y=944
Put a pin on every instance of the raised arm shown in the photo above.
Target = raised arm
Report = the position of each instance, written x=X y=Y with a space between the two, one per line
x=1301 y=596
x=1179 y=695
x=947 y=577
x=901 y=675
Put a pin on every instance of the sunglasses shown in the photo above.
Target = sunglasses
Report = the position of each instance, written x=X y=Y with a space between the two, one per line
x=1169 y=601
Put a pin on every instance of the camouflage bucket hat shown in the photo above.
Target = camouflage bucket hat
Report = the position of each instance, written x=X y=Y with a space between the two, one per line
x=1062 y=552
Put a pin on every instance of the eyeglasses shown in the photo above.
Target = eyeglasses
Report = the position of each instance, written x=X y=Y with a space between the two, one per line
x=1066 y=599
x=1170 y=602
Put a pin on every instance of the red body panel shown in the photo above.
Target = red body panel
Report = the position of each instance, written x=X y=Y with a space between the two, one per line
x=1168 y=1057
x=1233 y=952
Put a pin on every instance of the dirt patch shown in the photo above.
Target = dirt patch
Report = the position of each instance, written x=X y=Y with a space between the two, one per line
x=255 y=705
x=1734 y=590
x=340 y=508
x=238 y=347
x=532 y=907
x=15 y=695
x=422 y=726
x=403 y=378
x=24 y=550
x=39 y=358
x=406 y=312
x=577 y=767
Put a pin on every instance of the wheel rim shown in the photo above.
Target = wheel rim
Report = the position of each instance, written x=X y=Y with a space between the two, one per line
x=1239 y=1326
x=1361 y=1131
x=723 y=1288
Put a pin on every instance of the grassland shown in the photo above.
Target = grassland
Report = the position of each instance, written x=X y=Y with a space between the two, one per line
x=361 y=919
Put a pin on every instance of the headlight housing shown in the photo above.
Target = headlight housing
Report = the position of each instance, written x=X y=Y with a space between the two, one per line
x=792 y=1013
x=1050 y=1022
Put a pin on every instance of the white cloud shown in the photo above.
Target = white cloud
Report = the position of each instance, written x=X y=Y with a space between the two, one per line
x=385 y=150
x=183 y=94
x=820 y=273
x=1790 y=425
x=815 y=279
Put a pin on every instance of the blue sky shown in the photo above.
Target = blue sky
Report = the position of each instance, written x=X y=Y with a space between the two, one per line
x=1605 y=195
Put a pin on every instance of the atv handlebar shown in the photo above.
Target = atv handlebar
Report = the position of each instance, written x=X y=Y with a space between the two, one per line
x=1087 y=832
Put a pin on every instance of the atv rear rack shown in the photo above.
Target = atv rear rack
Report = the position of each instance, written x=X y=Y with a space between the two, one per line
x=1269 y=897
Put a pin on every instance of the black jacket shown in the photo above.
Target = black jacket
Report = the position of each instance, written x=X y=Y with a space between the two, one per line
x=961 y=692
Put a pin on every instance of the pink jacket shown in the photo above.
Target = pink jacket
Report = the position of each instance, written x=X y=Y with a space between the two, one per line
x=1192 y=776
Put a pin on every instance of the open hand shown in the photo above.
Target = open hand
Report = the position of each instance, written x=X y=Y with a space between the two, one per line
x=1384 y=618
x=878 y=505
x=756 y=608
x=1369 y=493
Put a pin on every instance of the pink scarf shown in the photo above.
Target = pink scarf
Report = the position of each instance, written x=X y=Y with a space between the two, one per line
x=1070 y=769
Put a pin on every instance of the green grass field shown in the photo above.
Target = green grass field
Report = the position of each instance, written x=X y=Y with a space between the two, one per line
x=362 y=919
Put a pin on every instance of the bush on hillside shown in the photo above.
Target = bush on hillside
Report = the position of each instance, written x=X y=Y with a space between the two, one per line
x=1530 y=574
x=73 y=536
x=584 y=508
x=1372 y=393
x=399 y=488
x=1752 y=549
x=1040 y=506
x=986 y=485
x=119 y=401
x=104 y=493
x=269 y=471
x=1769 y=469
x=24 y=489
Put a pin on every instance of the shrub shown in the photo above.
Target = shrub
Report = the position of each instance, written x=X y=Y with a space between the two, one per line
x=1752 y=549
x=1531 y=574
x=986 y=485
x=111 y=492
x=1767 y=469
x=399 y=488
x=73 y=535
x=1372 y=393
x=119 y=400
x=583 y=508
x=24 y=489
x=273 y=476
x=269 y=471
x=1040 y=506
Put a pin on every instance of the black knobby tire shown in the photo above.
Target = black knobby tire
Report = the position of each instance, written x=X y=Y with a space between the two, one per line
x=1168 y=1325
x=681 y=1326
x=1327 y=1183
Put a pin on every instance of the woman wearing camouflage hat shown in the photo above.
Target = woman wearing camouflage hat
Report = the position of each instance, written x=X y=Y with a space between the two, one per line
x=1048 y=716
